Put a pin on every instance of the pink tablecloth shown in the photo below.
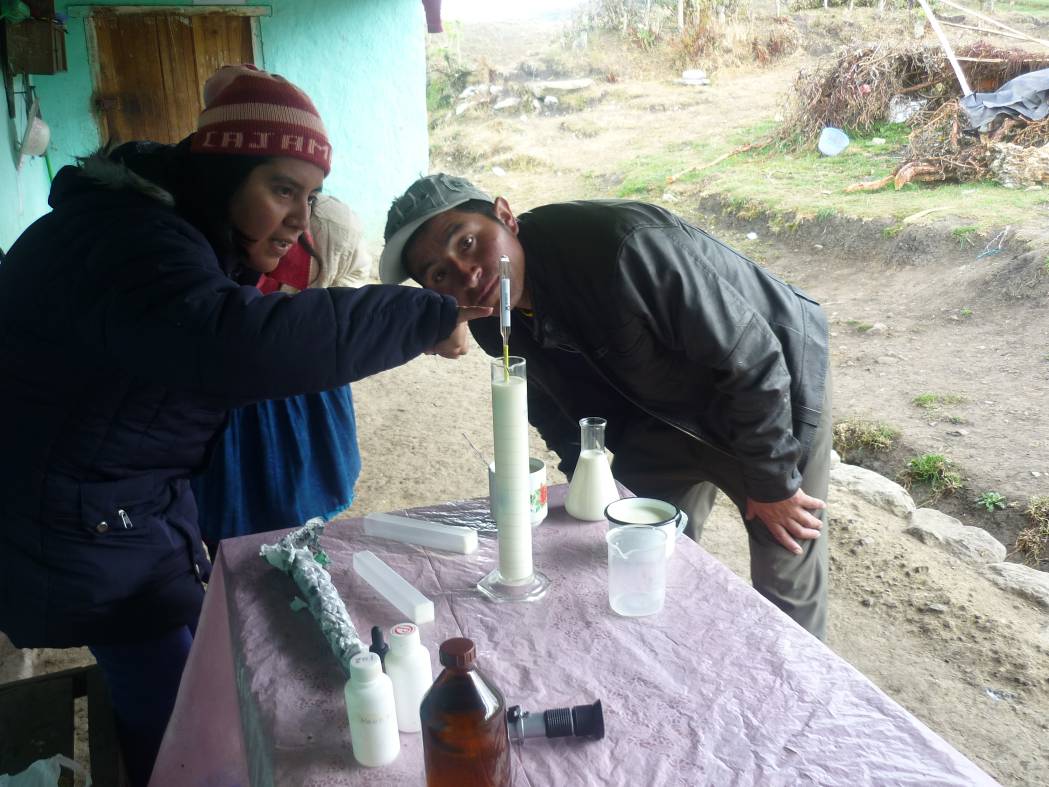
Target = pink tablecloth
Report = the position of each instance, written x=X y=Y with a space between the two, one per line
x=719 y=688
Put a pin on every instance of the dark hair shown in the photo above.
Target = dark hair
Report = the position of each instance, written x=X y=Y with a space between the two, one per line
x=203 y=185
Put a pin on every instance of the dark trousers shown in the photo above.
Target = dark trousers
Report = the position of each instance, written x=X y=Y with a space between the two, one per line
x=143 y=679
x=656 y=460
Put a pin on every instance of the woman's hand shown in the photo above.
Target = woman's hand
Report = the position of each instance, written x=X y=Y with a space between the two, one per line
x=458 y=341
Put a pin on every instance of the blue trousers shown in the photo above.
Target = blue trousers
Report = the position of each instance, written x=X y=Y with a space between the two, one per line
x=143 y=679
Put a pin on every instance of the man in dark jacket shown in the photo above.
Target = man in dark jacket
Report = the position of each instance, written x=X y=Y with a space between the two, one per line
x=710 y=371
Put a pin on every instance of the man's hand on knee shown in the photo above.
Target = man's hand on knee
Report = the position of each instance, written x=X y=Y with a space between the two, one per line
x=789 y=519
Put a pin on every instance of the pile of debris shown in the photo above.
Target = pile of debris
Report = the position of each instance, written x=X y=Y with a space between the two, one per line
x=868 y=86
x=1011 y=151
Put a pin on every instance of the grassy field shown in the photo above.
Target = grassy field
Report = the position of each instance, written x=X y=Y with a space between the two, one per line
x=806 y=185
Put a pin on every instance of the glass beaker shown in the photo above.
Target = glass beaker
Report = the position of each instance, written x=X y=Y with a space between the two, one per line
x=592 y=487
x=637 y=570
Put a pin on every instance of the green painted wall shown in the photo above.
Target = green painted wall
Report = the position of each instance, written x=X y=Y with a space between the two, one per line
x=364 y=65
x=23 y=193
x=361 y=61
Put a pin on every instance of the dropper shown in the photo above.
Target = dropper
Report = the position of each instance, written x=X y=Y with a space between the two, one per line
x=504 y=310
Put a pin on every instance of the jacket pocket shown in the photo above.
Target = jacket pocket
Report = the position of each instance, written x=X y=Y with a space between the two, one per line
x=124 y=507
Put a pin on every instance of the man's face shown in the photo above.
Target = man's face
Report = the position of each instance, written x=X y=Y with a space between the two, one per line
x=457 y=253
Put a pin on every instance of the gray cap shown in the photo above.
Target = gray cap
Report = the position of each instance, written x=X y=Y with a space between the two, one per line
x=423 y=200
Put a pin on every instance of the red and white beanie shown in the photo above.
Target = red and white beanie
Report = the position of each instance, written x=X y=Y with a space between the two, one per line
x=250 y=112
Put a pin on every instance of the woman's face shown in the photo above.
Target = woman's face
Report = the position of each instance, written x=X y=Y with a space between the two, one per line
x=271 y=209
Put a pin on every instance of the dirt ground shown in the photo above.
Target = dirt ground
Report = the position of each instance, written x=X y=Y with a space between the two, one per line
x=969 y=660
x=947 y=323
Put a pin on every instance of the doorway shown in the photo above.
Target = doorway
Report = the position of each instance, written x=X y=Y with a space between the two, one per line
x=150 y=68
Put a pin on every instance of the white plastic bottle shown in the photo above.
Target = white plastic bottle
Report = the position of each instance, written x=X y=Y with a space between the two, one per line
x=373 y=718
x=408 y=665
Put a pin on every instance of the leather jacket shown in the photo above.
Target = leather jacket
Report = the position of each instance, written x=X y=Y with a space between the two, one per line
x=636 y=312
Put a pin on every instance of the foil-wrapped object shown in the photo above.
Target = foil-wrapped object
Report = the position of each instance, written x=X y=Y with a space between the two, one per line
x=300 y=556
x=306 y=537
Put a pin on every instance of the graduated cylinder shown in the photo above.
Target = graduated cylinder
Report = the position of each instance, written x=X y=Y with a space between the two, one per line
x=510 y=426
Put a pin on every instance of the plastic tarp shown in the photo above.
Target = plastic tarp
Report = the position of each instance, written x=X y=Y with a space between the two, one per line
x=719 y=688
x=1024 y=96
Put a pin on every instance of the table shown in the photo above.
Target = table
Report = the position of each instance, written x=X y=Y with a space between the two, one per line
x=719 y=688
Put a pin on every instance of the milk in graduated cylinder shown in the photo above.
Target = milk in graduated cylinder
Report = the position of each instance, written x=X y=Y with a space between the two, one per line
x=510 y=424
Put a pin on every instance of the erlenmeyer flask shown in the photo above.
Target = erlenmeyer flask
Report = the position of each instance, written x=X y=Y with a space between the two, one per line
x=592 y=486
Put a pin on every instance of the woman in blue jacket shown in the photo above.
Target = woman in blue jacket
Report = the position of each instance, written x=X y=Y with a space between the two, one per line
x=127 y=331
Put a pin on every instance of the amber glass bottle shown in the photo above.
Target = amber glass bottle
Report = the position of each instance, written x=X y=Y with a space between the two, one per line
x=465 y=740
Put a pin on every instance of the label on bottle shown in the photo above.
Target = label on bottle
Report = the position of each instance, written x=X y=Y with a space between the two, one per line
x=373 y=718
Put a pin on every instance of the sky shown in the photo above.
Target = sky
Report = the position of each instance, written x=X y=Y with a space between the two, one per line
x=494 y=10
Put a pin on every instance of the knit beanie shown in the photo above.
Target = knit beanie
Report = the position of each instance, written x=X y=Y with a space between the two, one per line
x=260 y=114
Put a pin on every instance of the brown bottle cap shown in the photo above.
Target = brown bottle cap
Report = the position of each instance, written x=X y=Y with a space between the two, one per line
x=458 y=652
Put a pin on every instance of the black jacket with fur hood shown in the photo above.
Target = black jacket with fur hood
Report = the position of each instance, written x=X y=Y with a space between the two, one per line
x=122 y=345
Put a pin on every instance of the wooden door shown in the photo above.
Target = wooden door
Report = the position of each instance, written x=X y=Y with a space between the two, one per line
x=152 y=68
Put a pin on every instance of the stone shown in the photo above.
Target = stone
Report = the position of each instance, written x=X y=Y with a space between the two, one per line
x=694 y=76
x=878 y=328
x=1024 y=581
x=874 y=488
x=835 y=460
x=551 y=101
x=506 y=103
x=970 y=544
x=888 y=360
x=16 y=663
x=938 y=609
x=559 y=86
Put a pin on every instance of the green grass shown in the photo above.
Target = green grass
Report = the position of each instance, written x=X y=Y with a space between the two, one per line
x=852 y=435
x=810 y=185
x=927 y=401
x=964 y=236
x=647 y=176
x=1033 y=7
x=894 y=134
x=935 y=471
